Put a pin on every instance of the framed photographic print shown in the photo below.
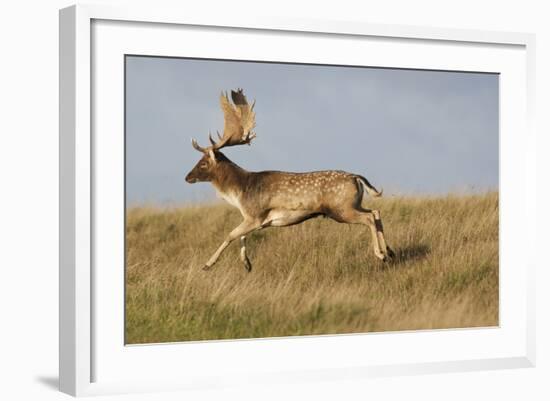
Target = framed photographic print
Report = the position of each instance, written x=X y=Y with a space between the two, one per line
x=278 y=200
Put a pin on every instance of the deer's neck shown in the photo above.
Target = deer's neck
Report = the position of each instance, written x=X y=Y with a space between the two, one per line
x=229 y=178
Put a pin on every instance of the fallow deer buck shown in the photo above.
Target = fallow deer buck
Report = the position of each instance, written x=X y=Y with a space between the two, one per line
x=276 y=198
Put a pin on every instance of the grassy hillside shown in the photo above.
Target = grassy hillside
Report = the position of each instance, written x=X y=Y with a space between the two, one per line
x=319 y=277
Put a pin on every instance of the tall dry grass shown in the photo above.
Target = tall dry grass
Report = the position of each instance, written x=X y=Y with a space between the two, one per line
x=319 y=277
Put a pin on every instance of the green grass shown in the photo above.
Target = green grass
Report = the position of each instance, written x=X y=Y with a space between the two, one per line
x=319 y=277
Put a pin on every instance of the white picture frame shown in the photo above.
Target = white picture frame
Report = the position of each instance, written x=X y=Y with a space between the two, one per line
x=78 y=221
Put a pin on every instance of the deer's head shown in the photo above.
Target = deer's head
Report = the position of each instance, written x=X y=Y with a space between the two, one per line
x=239 y=120
x=205 y=169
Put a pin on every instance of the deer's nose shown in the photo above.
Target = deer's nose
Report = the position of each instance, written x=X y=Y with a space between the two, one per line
x=190 y=179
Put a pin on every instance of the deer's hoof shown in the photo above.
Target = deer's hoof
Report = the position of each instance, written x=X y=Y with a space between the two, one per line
x=391 y=253
x=248 y=267
x=206 y=268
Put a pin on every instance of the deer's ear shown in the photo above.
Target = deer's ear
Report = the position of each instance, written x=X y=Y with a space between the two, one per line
x=212 y=155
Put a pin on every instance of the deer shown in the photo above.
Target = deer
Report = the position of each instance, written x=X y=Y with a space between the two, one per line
x=278 y=198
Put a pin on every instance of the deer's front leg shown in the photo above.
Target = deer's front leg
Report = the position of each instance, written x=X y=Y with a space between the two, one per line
x=244 y=256
x=241 y=230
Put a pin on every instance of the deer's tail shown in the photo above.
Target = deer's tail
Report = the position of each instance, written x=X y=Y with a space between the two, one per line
x=367 y=186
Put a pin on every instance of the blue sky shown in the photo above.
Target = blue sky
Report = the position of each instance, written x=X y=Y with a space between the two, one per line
x=408 y=131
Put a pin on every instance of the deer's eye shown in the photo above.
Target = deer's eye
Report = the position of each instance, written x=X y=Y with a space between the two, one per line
x=202 y=165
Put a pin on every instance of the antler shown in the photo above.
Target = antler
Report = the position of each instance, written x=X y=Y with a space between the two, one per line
x=239 y=120
x=196 y=146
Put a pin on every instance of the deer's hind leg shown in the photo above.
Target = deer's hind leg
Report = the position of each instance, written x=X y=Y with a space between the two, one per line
x=380 y=234
x=370 y=218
